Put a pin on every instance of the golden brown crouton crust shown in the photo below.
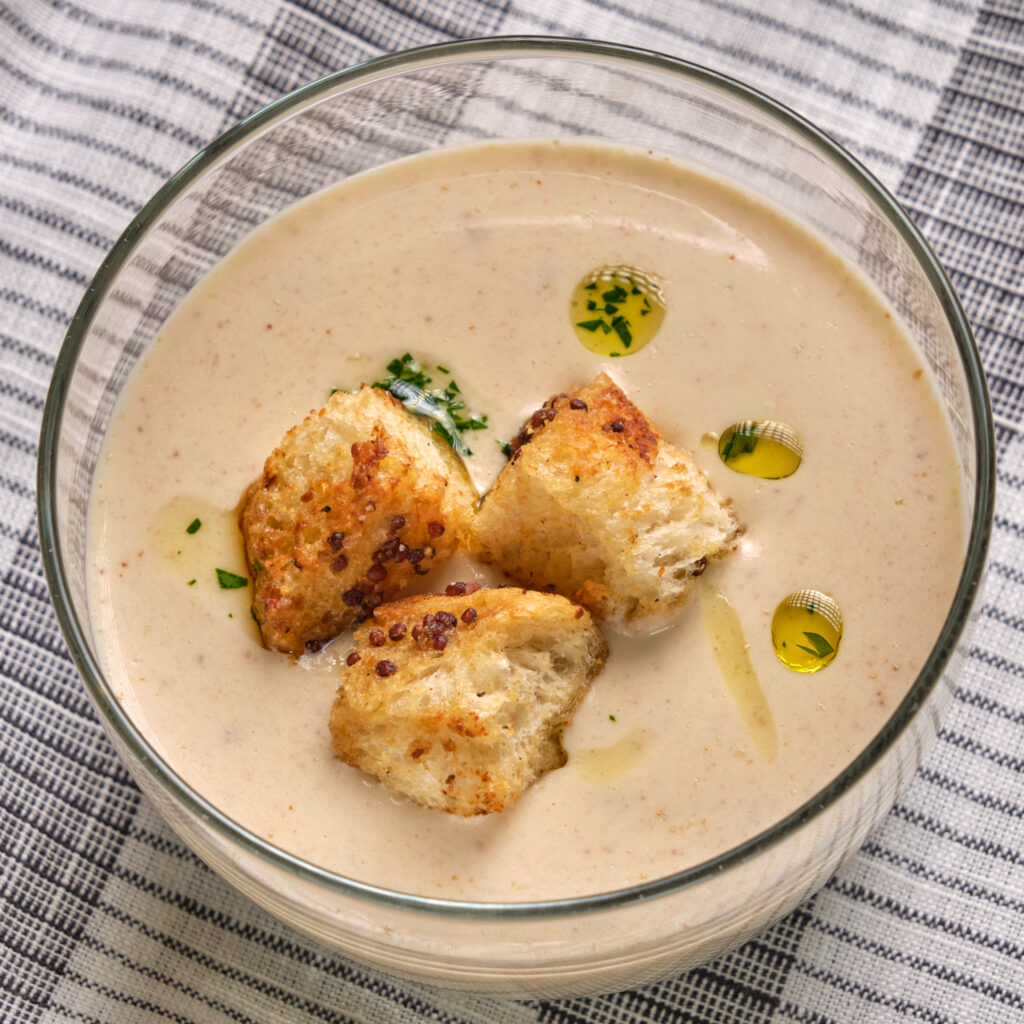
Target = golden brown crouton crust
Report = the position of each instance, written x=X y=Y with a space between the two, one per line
x=596 y=505
x=458 y=700
x=356 y=501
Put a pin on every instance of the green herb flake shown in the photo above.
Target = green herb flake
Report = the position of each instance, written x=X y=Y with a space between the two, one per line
x=193 y=527
x=616 y=294
x=621 y=326
x=506 y=448
x=612 y=718
x=742 y=442
x=821 y=647
x=191 y=583
x=230 y=580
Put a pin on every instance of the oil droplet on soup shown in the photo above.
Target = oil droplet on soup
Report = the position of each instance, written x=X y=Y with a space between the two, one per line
x=761 y=448
x=615 y=311
x=806 y=630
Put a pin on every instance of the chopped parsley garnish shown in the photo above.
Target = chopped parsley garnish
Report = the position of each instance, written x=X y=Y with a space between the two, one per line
x=230 y=580
x=408 y=382
x=191 y=583
x=193 y=526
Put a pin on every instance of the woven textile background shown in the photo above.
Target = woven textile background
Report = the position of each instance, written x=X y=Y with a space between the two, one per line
x=105 y=916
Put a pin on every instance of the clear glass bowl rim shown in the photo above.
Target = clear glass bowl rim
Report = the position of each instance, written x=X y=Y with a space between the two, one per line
x=491 y=48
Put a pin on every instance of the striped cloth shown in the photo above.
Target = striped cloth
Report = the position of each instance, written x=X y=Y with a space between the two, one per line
x=105 y=916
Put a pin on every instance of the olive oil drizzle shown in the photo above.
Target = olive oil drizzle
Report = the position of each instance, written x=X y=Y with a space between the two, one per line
x=729 y=643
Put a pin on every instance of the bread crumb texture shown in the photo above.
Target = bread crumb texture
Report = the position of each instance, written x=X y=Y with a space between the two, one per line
x=595 y=505
x=458 y=701
x=357 y=500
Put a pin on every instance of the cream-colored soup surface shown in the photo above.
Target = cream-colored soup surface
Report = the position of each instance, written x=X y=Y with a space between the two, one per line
x=467 y=258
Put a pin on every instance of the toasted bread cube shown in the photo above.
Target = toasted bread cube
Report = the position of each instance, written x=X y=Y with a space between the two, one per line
x=458 y=702
x=357 y=500
x=596 y=505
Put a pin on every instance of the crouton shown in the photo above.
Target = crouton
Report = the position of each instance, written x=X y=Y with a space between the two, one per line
x=596 y=505
x=358 y=500
x=458 y=700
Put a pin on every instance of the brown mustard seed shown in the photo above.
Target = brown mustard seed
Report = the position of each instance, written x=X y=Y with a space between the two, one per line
x=352 y=658
x=440 y=642
x=577 y=403
x=352 y=597
x=339 y=562
x=377 y=572
x=397 y=523
x=435 y=529
x=314 y=645
x=387 y=550
x=615 y=426
x=377 y=637
x=397 y=631
x=417 y=632
x=469 y=616
x=386 y=668
x=446 y=620
x=336 y=540
x=472 y=588
x=540 y=417
x=455 y=589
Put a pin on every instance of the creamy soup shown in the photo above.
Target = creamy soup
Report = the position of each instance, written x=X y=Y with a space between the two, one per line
x=468 y=260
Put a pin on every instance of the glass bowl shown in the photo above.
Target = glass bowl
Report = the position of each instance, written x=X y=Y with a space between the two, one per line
x=393 y=107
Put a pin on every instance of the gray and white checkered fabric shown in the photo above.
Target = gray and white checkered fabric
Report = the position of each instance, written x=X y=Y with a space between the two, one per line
x=105 y=916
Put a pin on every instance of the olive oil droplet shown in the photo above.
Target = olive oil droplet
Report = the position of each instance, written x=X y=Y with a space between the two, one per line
x=806 y=630
x=762 y=448
x=615 y=311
